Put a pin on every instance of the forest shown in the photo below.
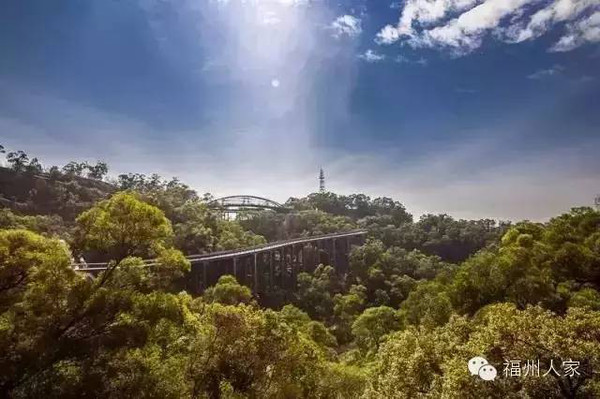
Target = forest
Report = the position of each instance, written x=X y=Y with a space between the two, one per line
x=423 y=296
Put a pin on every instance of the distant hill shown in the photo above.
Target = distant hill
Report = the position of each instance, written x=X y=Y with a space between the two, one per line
x=50 y=193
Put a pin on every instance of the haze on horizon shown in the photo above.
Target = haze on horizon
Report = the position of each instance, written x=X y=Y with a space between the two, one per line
x=471 y=108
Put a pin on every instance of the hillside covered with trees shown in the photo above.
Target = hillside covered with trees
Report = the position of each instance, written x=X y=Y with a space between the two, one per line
x=422 y=297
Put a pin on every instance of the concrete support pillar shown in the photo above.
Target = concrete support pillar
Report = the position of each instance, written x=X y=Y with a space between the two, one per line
x=294 y=265
x=193 y=282
x=317 y=254
x=347 y=255
x=292 y=260
x=282 y=268
x=235 y=264
x=247 y=269
x=285 y=273
x=204 y=275
x=256 y=278
x=271 y=272
x=333 y=255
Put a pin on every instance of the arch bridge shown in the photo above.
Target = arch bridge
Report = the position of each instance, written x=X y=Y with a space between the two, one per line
x=246 y=202
x=235 y=204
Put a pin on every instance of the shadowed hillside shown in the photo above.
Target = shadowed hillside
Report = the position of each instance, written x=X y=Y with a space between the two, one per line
x=50 y=193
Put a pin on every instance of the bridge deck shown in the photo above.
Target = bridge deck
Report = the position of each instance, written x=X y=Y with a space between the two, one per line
x=95 y=267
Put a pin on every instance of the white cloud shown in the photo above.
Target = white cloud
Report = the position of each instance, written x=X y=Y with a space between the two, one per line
x=400 y=59
x=346 y=25
x=547 y=73
x=388 y=35
x=542 y=20
x=425 y=23
x=422 y=12
x=585 y=31
x=372 y=56
x=465 y=33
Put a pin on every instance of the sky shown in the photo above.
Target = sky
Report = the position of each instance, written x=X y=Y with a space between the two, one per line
x=475 y=108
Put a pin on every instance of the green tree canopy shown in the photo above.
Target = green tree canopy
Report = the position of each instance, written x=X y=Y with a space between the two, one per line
x=124 y=226
x=228 y=291
x=375 y=323
x=432 y=363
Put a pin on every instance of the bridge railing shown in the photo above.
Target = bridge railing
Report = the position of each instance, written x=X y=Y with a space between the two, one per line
x=275 y=244
x=98 y=266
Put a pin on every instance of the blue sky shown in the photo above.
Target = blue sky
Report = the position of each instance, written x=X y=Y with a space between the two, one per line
x=477 y=108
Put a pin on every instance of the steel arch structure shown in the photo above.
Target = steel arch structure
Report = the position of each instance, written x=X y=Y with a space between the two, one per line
x=239 y=203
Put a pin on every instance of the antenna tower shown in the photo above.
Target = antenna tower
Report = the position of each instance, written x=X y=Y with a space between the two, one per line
x=321 y=181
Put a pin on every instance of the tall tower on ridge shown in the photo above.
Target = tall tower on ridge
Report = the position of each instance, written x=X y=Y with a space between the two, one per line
x=321 y=181
x=597 y=202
